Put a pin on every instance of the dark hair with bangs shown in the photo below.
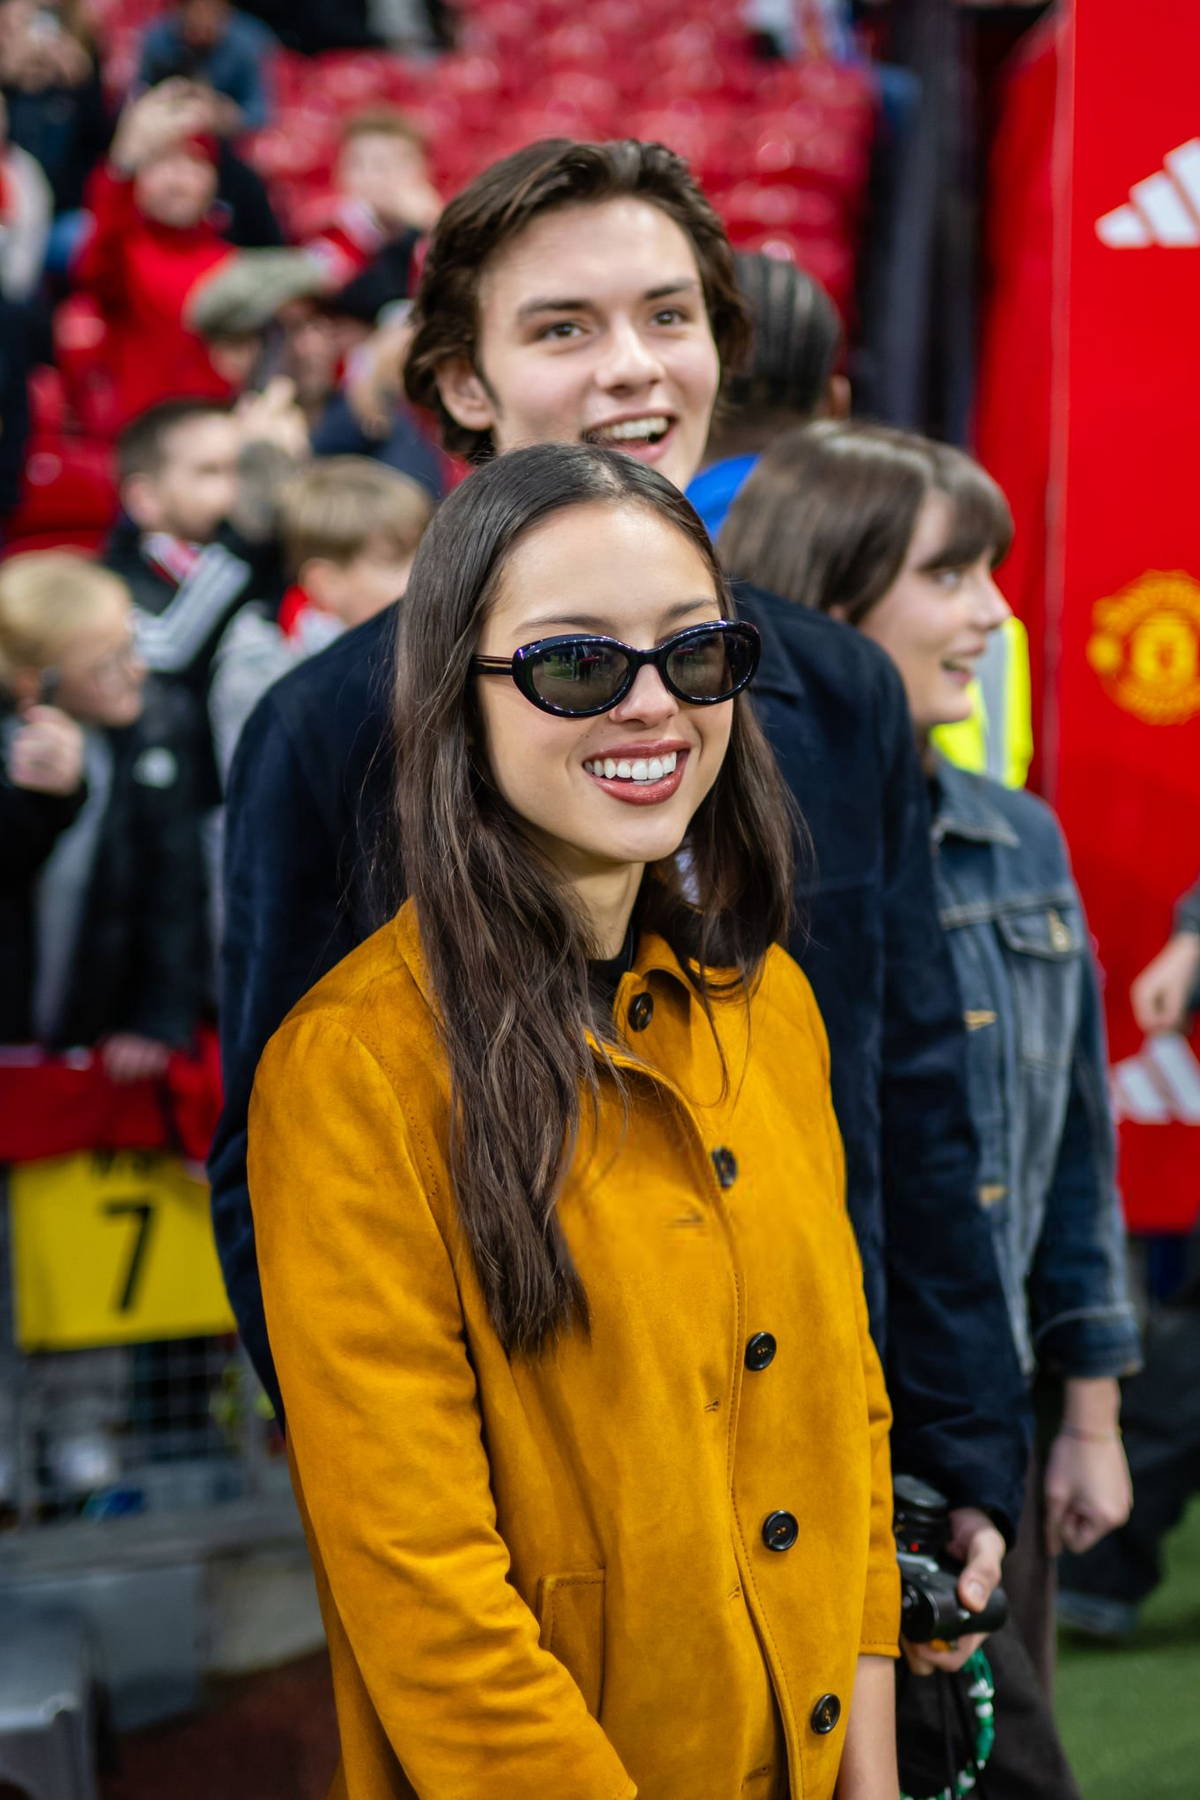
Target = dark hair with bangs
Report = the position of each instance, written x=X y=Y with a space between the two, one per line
x=506 y=198
x=828 y=513
x=506 y=943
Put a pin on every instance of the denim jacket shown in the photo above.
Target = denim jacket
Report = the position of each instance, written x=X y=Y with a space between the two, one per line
x=1037 y=1071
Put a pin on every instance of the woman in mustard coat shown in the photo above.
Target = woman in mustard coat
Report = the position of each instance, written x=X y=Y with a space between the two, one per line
x=586 y=1426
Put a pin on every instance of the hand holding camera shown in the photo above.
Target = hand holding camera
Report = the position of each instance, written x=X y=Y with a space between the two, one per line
x=949 y=1576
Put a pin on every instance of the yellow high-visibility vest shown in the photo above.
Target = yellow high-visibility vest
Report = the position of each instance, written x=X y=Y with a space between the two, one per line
x=997 y=739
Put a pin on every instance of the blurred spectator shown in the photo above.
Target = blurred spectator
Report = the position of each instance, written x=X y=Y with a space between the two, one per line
x=26 y=205
x=99 y=906
x=266 y=313
x=350 y=530
x=384 y=194
x=100 y=932
x=789 y=378
x=175 y=548
x=209 y=41
x=258 y=316
x=56 y=107
x=150 y=243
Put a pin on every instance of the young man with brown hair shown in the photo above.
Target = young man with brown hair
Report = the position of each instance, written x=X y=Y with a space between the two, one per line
x=587 y=292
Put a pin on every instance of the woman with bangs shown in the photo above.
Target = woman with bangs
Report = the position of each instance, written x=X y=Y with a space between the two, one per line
x=899 y=537
x=584 y=1416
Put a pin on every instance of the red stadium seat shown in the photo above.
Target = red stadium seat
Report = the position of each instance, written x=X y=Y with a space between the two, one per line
x=69 y=497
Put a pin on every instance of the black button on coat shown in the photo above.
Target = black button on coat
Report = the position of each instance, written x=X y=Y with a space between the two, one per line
x=760 y=1351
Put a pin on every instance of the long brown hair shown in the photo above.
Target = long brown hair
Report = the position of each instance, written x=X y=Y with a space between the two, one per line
x=507 y=197
x=828 y=512
x=506 y=945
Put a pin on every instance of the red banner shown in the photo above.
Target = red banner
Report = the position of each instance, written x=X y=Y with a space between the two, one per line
x=1121 y=655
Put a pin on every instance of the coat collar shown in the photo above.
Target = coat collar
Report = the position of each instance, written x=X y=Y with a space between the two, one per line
x=962 y=808
x=654 y=956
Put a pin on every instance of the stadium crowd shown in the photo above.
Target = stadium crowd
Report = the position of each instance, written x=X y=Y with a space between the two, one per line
x=270 y=289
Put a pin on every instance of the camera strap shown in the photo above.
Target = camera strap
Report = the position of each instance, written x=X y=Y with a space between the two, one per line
x=971 y=1692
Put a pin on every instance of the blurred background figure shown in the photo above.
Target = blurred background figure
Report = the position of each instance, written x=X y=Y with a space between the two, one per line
x=149 y=243
x=350 y=529
x=100 y=939
x=383 y=193
x=209 y=41
x=50 y=81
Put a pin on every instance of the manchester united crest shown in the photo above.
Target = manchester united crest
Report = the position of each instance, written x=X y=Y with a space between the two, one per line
x=1145 y=647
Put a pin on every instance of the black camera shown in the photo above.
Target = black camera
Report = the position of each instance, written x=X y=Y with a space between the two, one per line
x=929 y=1602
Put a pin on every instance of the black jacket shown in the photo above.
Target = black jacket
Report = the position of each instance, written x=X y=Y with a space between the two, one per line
x=307 y=795
x=137 y=964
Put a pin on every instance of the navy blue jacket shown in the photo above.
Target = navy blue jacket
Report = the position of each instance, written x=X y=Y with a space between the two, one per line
x=308 y=791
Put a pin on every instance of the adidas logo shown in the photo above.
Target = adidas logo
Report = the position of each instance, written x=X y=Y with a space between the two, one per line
x=1160 y=1085
x=1164 y=209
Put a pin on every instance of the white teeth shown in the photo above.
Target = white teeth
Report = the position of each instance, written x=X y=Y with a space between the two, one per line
x=629 y=430
x=642 y=768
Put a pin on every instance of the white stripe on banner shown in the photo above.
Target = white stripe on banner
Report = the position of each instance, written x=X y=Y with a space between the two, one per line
x=1178 y=1072
x=1135 y=1094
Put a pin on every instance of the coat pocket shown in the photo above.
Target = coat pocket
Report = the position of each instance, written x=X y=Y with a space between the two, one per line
x=571 y=1611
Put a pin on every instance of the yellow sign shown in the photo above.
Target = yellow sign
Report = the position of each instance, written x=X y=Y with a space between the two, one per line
x=112 y=1249
x=1145 y=647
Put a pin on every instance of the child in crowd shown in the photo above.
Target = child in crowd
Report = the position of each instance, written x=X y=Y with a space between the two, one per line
x=100 y=923
x=199 y=487
x=177 y=469
x=151 y=241
x=384 y=190
x=350 y=530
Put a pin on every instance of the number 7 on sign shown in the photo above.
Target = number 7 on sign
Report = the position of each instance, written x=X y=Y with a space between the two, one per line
x=143 y=1212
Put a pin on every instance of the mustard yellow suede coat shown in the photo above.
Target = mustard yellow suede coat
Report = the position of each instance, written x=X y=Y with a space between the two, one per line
x=546 y=1579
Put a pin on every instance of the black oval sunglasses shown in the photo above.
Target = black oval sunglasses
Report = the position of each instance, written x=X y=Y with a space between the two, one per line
x=576 y=677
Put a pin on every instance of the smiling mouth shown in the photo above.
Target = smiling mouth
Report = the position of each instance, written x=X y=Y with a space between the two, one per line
x=627 y=434
x=639 y=769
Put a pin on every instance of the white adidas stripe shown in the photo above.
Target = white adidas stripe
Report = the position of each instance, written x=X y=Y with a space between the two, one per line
x=1159 y=1085
x=1162 y=210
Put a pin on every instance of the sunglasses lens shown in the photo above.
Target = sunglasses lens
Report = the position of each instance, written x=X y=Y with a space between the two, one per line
x=578 y=677
x=711 y=665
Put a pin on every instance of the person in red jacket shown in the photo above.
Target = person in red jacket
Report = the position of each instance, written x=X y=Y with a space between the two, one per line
x=151 y=242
